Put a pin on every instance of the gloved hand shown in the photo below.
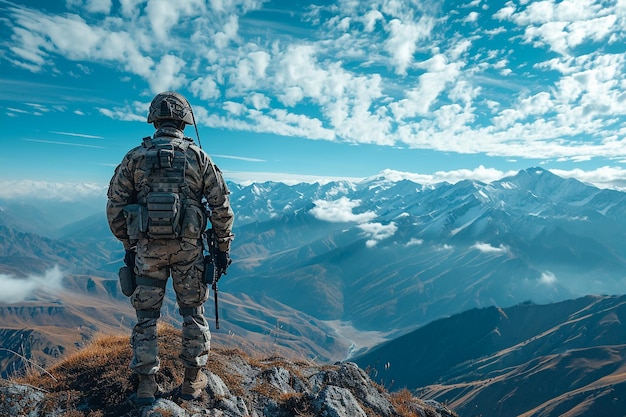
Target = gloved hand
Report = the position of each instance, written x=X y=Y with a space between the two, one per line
x=129 y=258
x=222 y=261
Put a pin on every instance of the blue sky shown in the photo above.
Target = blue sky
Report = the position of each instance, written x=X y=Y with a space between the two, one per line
x=294 y=90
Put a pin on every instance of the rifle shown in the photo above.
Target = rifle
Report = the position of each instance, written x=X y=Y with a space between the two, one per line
x=212 y=273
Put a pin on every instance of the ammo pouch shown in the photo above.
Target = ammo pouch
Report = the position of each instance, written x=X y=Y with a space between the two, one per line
x=164 y=212
x=127 y=281
x=136 y=220
x=194 y=222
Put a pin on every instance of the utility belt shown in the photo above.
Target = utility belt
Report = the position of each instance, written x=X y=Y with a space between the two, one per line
x=165 y=216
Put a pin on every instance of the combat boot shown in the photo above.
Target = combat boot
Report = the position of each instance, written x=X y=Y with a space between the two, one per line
x=146 y=390
x=194 y=383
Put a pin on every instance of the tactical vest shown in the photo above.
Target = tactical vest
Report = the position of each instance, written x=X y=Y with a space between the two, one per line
x=165 y=174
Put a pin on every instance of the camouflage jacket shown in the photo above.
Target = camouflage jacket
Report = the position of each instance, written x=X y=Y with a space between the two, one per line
x=130 y=184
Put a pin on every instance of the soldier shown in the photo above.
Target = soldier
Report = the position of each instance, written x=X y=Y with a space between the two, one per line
x=156 y=207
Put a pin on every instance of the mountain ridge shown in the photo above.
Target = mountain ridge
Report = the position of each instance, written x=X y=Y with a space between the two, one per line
x=482 y=359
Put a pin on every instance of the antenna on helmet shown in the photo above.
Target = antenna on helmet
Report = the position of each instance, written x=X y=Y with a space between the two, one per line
x=193 y=117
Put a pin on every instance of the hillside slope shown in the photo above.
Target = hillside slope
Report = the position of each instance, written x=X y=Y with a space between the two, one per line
x=96 y=381
x=526 y=360
x=48 y=327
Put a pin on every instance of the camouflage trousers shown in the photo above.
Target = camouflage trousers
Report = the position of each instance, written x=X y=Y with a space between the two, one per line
x=158 y=259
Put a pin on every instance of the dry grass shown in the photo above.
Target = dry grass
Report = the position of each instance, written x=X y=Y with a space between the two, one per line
x=407 y=405
x=97 y=382
x=98 y=377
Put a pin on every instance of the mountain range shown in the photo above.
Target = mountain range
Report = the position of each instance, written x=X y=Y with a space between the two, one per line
x=329 y=271
x=566 y=358
x=392 y=256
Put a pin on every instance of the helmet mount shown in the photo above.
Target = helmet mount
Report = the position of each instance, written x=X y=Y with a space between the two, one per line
x=170 y=106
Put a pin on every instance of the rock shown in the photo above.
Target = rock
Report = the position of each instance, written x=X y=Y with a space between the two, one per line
x=164 y=408
x=348 y=375
x=20 y=400
x=238 y=386
x=216 y=387
x=335 y=401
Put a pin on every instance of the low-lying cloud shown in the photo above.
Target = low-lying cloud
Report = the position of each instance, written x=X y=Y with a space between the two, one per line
x=50 y=190
x=548 y=278
x=487 y=248
x=378 y=232
x=339 y=211
x=16 y=290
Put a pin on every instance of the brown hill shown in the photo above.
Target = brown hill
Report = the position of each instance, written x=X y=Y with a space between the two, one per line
x=582 y=382
x=96 y=382
x=559 y=359
x=47 y=326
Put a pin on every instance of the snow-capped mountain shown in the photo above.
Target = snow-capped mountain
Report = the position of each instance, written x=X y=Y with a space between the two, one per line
x=389 y=254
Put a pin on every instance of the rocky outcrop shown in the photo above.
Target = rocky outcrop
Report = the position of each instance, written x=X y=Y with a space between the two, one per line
x=96 y=381
x=290 y=396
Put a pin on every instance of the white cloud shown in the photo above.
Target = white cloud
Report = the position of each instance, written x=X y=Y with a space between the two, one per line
x=163 y=15
x=16 y=290
x=228 y=34
x=98 y=6
x=247 y=178
x=340 y=210
x=136 y=111
x=50 y=191
x=471 y=17
x=250 y=70
x=479 y=174
x=378 y=232
x=52 y=142
x=403 y=40
x=370 y=19
x=431 y=84
x=259 y=101
x=488 y=248
x=80 y=135
x=239 y=158
x=603 y=177
x=167 y=75
x=205 y=87
x=91 y=6
x=565 y=25
x=548 y=278
x=130 y=7
x=333 y=78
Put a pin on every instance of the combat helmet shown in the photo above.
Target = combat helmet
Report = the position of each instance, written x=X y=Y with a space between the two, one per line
x=170 y=106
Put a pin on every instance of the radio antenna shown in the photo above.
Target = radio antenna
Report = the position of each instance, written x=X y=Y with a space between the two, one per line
x=193 y=116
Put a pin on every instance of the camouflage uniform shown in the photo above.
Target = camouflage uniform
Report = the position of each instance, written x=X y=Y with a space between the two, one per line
x=182 y=258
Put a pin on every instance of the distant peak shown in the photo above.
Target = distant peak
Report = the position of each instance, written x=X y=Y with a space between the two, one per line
x=390 y=175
